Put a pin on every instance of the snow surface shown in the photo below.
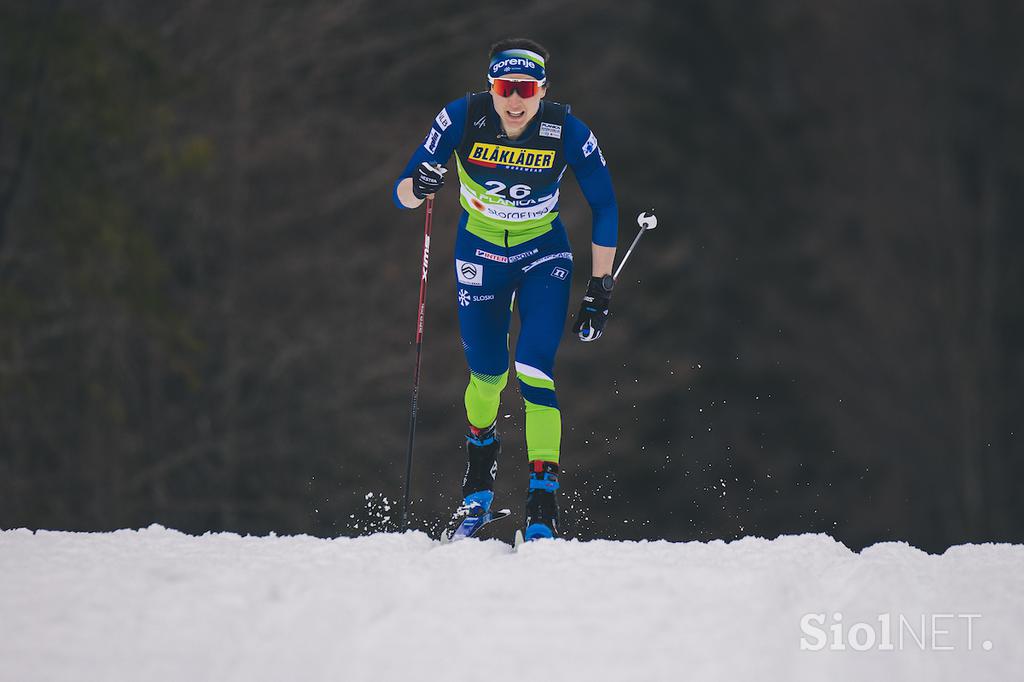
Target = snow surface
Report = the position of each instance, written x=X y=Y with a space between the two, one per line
x=156 y=604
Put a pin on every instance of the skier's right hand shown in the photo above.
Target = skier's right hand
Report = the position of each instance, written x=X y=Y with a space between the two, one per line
x=427 y=179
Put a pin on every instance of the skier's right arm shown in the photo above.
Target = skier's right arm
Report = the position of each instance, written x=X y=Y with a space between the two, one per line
x=441 y=140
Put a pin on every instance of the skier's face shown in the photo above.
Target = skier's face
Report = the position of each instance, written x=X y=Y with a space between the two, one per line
x=515 y=110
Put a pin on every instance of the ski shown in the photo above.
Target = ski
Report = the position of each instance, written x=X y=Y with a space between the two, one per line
x=471 y=525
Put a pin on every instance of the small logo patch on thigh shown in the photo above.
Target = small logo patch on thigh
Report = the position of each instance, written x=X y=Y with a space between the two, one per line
x=468 y=273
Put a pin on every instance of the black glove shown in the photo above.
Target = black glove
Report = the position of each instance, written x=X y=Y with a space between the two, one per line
x=593 y=313
x=427 y=179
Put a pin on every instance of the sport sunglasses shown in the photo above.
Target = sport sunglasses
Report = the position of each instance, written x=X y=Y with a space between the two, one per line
x=504 y=87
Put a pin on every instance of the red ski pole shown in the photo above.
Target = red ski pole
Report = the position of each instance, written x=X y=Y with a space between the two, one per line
x=419 y=353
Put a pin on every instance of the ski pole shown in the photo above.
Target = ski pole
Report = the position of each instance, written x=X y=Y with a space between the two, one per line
x=419 y=354
x=646 y=222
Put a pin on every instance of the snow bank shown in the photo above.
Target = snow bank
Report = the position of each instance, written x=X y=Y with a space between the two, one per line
x=156 y=604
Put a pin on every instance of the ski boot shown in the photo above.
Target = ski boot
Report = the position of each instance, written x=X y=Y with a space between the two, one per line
x=482 y=448
x=541 y=505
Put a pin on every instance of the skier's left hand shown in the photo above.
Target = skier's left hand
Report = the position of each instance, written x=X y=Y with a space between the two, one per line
x=593 y=314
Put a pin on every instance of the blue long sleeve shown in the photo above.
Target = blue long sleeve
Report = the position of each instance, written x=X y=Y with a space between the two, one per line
x=437 y=147
x=588 y=163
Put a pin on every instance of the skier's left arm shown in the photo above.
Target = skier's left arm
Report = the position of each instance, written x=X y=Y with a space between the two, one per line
x=588 y=163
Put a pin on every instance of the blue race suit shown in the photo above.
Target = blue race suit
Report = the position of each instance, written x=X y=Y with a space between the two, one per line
x=512 y=247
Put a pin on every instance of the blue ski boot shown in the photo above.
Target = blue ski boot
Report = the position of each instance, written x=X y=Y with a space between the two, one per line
x=482 y=447
x=541 y=505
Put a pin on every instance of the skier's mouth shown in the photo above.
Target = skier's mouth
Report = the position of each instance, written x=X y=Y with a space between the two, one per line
x=516 y=115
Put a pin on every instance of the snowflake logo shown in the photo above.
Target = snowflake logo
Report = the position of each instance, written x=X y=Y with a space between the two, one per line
x=463 y=298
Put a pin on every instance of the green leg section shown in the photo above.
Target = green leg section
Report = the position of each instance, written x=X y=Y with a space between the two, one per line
x=482 y=398
x=543 y=432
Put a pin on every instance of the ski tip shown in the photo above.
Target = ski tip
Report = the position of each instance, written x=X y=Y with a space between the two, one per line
x=519 y=540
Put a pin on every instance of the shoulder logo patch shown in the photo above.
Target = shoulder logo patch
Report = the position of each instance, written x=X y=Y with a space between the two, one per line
x=590 y=145
x=443 y=121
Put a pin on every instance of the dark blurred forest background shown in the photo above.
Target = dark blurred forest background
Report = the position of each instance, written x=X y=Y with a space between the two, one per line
x=207 y=297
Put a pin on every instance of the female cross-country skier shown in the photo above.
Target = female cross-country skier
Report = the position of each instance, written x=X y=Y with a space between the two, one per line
x=511 y=149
